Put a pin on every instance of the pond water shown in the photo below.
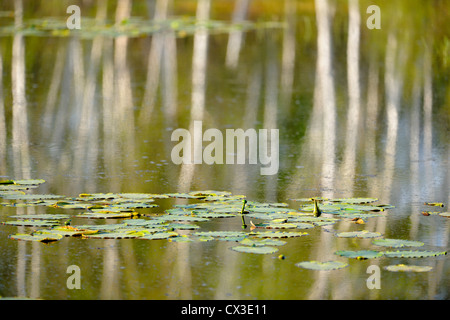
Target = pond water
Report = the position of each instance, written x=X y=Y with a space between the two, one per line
x=360 y=112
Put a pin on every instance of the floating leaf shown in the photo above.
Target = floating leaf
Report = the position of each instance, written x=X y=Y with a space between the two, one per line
x=277 y=234
x=183 y=218
x=29 y=182
x=434 y=204
x=263 y=242
x=97 y=215
x=354 y=200
x=32 y=197
x=407 y=268
x=430 y=213
x=256 y=249
x=6 y=182
x=359 y=234
x=213 y=214
x=359 y=255
x=268 y=225
x=46 y=216
x=69 y=231
x=316 y=265
x=304 y=225
x=183 y=226
x=180 y=239
x=32 y=223
x=142 y=196
x=124 y=234
x=397 y=243
x=413 y=254
x=216 y=234
x=159 y=235
x=40 y=237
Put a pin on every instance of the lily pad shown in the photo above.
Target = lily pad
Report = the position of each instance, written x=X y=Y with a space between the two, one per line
x=32 y=197
x=359 y=234
x=413 y=254
x=434 y=204
x=183 y=238
x=408 y=268
x=359 y=255
x=69 y=231
x=326 y=266
x=182 y=218
x=32 y=223
x=213 y=214
x=128 y=234
x=397 y=243
x=219 y=234
x=98 y=215
x=29 y=182
x=354 y=200
x=159 y=235
x=40 y=237
x=263 y=242
x=278 y=225
x=256 y=249
x=41 y=216
x=277 y=234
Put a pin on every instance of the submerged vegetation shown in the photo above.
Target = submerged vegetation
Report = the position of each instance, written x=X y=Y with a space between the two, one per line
x=262 y=238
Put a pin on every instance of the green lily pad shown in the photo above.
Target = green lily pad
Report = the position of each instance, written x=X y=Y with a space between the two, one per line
x=354 y=200
x=40 y=237
x=32 y=197
x=407 y=268
x=41 y=216
x=325 y=266
x=277 y=234
x=183 y=238
x=263 y=242
x=99 y=215
x=69 y=231
x=29 y=182
x=213 y=214
x=172 y=217
x=124 y=234
x=277 y=225
x=413 y=254
x=32 y=223
x=359 y=255
x=219 y=234
x=159 y=235
x=256 y=249
x=397 y=243
x=182 y=226
x=359 y=234
x=142 y=196
x=133 y=205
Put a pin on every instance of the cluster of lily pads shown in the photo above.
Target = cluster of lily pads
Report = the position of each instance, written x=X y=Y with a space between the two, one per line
x=268 y=222
x=131 y=27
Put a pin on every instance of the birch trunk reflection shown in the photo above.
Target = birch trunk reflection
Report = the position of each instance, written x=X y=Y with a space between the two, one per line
x=326 y=96
x=354 y=103
x=3 y=151
x=235 y=37
x=326 y=99
x=199 y=63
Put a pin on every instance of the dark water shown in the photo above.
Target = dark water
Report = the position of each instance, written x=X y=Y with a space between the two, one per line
x=356 y=118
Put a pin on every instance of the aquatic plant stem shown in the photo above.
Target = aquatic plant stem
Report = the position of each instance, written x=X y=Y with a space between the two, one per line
x=244 y=202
